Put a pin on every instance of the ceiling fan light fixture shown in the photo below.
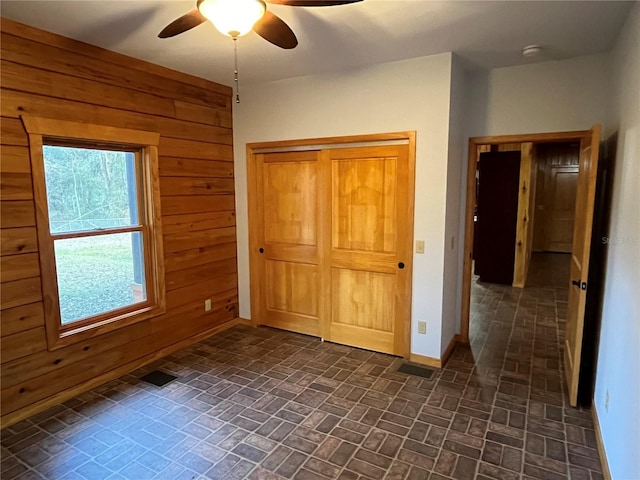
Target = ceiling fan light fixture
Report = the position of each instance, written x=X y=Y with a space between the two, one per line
x=232 y=17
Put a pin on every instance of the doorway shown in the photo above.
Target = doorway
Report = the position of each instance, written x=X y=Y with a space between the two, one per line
x=580 y=224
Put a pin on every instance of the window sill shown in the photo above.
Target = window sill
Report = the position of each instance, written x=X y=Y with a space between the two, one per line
x=81 y=333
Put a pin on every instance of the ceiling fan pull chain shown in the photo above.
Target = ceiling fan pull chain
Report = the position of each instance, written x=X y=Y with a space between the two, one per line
x=235 y=70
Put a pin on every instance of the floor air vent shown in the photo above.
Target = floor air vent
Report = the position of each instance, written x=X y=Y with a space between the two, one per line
x=158 y=378
x=415 y=370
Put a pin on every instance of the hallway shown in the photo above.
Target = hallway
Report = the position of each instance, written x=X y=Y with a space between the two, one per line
x=266 y=404
x=516 y=340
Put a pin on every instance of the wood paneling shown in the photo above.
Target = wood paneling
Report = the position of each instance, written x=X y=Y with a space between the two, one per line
x=11 y=131
x=22 y=318
x=18 y=240
x=559 y=208
x=189 y=276
x=42 y=362
x=556 y=194
x=177 y=147
x=22 y=344
x=195 y=186
x=182 y=205
x=181 y=167
x=50 y=84
x=16 y=103
x=524 y=226
x=196 y=292
x=14 y=159
x=17 y=214
x=509 y=147
x=15 y=186
x=197 y=221
x=201 y=238
x=20 y=292
x=45 y=75
x=198 y=256
x=201 y=114
x=64 y=43
x=17 y=267
x=76 y=64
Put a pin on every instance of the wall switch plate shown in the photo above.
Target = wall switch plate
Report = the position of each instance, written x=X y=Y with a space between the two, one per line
x=419 y=246
x=422 y=328
x=207 y=305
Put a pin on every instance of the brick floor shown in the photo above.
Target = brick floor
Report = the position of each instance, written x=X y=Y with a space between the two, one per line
x=266 y=404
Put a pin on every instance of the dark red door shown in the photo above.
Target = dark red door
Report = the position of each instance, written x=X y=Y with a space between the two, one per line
x=499 y=179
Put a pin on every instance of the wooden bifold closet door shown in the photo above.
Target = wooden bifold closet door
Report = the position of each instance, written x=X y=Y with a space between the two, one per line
x=333 y=236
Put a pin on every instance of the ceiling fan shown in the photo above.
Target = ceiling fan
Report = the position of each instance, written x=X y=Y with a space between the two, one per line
x=238 y=17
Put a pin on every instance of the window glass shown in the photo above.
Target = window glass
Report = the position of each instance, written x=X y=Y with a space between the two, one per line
x=98 y=274
x=89 y=189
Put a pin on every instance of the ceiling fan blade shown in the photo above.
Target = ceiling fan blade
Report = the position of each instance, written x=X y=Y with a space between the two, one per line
x=312 y=3
x=182 y=24
x=274 y=30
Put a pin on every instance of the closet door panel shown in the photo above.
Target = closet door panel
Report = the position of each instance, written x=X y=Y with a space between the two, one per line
x=288 y=228
x=367 y=261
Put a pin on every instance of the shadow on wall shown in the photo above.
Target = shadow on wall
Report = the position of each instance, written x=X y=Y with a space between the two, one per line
x=478 y=103
x=113 y=31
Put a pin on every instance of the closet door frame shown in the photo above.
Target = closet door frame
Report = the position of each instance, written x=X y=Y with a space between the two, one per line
x=254 y=149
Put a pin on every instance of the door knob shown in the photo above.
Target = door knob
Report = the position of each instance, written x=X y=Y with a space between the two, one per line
x=575 y=283
x=261 y=250
x=401 y=265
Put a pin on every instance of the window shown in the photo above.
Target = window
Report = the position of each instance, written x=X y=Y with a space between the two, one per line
x=97 y=205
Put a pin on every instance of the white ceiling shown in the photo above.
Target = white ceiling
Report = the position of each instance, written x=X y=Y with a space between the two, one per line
x=486 y=34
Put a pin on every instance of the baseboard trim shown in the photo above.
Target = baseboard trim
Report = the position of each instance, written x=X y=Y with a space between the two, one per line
x=424 y=360
x=606 y=472
x=449 y=350
x=30 y=410
x=436 y=362
x=245 y=321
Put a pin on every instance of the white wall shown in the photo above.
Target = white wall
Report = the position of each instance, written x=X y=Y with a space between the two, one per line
x=618 y=370
x=454 y=243
x=541 y=97
x=406 y=95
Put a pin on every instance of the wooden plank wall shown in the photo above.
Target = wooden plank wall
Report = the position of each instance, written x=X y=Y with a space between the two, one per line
x=524 y=226
x=550 y=155
x=51 y=76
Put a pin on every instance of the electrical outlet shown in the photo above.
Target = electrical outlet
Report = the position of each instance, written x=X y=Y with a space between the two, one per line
x=419 y=246
x=207 y=305
x=422 y=328
x=606 y=402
